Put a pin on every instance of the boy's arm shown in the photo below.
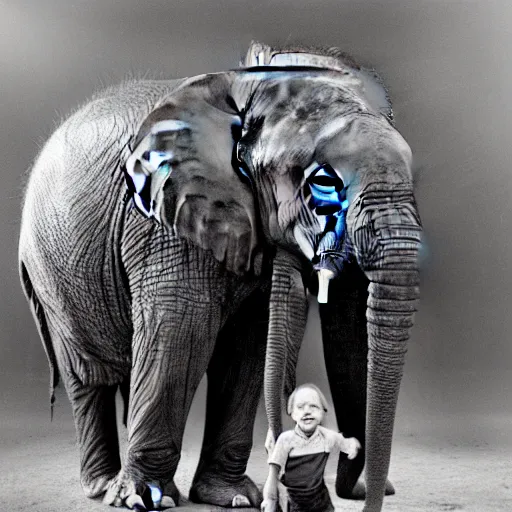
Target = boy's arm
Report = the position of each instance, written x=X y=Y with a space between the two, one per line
x=279 y=454
x=270 y=488
x=276 y=462
x=350 y=445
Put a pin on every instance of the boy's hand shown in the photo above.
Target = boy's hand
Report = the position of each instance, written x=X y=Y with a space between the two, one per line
x=269 y=505
x=353 y=446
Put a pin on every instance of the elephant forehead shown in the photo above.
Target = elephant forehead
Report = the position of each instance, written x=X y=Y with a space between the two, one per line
x=361 y=142
x=308 y=98
x=285 y=127
x=285 y=145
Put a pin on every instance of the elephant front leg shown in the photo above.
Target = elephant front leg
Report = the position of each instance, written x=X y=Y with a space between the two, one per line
x=345 y=343
x=171 y=351
x=235 y=379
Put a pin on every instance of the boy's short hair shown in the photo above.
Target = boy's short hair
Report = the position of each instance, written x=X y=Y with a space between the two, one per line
x=314 y=387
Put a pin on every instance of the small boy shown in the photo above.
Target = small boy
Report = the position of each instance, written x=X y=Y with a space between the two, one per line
x=300 y=455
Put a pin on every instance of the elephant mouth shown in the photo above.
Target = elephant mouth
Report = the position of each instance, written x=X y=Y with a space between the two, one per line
x=326 y=206
x=327 y=253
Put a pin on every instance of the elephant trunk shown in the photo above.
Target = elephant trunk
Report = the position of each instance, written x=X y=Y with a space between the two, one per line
x=391 y=305
x=387 y=240
x=287 y=323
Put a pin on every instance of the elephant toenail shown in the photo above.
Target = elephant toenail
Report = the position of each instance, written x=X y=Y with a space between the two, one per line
x=241 y=501
x=135 y=502
x=167 y=502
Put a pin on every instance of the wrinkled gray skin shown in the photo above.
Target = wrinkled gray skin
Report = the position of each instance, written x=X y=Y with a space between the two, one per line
x=148 y=307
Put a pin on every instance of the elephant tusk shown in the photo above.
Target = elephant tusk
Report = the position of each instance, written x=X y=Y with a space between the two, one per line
x=324 y=276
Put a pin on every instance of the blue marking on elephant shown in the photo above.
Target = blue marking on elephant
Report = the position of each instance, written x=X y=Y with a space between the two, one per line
x=270 y=73
x=325 y=195
x=157 y=158
x=155 y=165
x=242 y=171
x=156 y=493
x=328 y=199
x=164 y=168
x=339 y=227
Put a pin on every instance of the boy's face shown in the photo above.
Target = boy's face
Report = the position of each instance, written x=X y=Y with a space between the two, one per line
x=307 y=411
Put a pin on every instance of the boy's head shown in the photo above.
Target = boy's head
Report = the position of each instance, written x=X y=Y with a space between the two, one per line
x=307 y=406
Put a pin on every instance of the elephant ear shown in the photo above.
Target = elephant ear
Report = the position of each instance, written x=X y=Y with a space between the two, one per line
x=183 y=174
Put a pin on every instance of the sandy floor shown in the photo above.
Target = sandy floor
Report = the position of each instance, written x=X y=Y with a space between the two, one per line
x=453 y=464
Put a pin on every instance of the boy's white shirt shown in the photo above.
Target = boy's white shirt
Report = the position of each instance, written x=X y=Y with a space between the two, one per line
x=294 y=443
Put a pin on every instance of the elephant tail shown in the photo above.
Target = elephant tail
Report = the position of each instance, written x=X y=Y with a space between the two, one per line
x=44 y=333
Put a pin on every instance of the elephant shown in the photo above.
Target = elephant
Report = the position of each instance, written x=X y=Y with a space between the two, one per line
x=358 y=225
x=171 y=228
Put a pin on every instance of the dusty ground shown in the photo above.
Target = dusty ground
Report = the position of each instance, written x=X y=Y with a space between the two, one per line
x=437 y=465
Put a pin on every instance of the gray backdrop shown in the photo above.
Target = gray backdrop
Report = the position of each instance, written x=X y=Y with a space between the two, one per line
x=448 y=68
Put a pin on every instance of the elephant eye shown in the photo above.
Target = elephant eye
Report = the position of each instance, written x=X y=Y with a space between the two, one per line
x=328 y=192
x=325 y=178
x=324 y=181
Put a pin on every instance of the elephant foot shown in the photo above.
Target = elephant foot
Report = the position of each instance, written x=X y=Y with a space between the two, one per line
x=212 y=489
x=359 y=491
x=125 y=491
x=95 y=487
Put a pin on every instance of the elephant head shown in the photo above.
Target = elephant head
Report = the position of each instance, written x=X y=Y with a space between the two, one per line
x=334 y=184
x=300 y=156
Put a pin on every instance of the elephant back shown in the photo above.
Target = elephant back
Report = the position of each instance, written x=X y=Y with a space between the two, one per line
x=76 y=186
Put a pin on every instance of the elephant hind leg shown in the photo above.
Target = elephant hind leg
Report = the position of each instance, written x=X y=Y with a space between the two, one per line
x=94 y=412
x=93 y=405
x=94 y=409
x=235 y=380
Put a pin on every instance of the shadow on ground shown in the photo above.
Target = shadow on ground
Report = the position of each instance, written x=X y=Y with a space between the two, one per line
x=443 y=464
